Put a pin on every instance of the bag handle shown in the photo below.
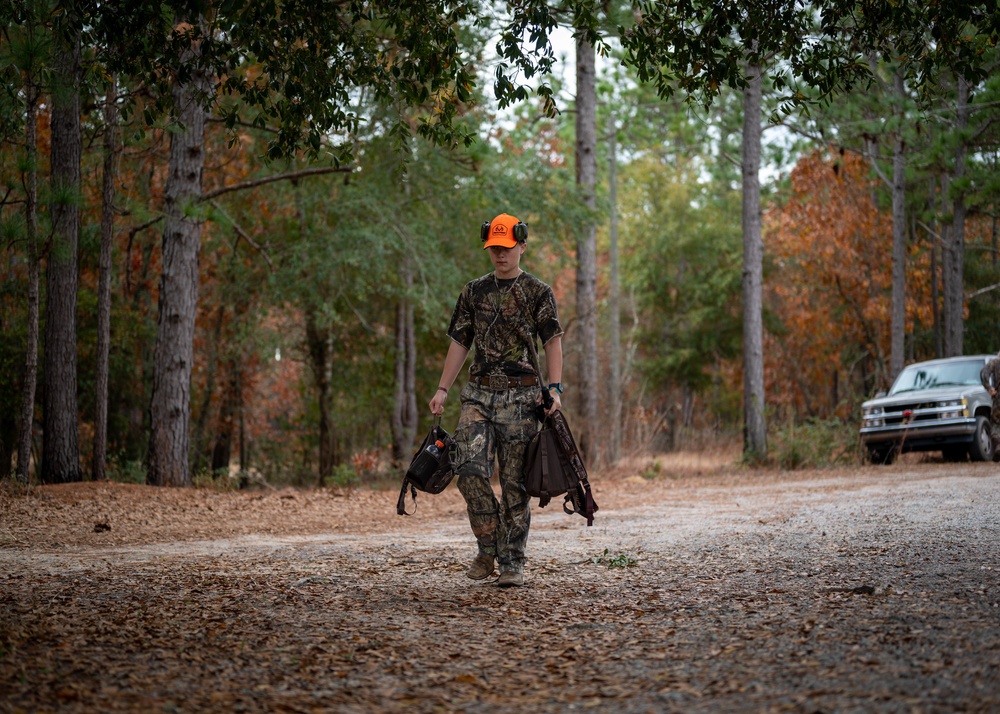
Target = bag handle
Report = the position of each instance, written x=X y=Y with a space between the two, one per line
x=401 y=501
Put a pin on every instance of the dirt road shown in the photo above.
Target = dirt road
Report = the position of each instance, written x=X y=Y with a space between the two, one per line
x=826 y=591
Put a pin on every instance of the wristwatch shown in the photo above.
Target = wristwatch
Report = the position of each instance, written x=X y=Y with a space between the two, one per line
x=556 y=386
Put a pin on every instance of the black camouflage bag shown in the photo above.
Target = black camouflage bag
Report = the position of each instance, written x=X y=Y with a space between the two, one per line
x=553 y=467
x=547 y=473
x=428 y=472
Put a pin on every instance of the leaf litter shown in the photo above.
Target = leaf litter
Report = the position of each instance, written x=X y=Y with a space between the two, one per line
x=813 y=591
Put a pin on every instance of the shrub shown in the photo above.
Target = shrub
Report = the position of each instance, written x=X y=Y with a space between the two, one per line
x=814 y=443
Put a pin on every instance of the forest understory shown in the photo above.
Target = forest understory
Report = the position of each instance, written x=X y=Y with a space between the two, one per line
x=706 y=588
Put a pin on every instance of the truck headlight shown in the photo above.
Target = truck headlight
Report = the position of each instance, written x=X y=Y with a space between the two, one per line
x=955 y=409
x=874 y=416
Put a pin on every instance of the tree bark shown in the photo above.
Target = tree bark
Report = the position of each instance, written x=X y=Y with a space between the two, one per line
x=31 y=238
x=954 y=263
x=104 y=284
x=170 y=410
x=60 y=443
x=755 y=423
x=898 y=329
x=586 y=245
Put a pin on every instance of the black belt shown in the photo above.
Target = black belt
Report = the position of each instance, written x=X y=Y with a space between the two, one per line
x=500 y=382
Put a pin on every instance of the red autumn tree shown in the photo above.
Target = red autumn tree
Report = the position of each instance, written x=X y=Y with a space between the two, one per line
x=830 y=245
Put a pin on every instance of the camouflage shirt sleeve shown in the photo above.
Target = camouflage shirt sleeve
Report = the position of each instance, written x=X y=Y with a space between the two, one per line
x=546 y=316
x=463 y=326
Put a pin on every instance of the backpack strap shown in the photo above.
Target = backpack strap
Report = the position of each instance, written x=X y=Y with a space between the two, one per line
x=525 y=335
x=401 y=501
x=586 y=506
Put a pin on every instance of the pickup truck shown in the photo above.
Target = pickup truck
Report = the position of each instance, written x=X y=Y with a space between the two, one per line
x=939 y=405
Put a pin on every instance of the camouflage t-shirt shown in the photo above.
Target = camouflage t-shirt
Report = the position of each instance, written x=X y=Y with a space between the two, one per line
x=491 y=318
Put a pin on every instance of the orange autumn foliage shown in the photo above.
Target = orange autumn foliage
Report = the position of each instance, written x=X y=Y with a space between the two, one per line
x=830 y=287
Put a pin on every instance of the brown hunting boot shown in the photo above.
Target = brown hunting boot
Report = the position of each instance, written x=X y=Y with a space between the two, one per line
x=510 y=579
x=482 y=567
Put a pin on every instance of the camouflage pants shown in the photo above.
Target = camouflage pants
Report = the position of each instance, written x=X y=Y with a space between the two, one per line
x=496 y=425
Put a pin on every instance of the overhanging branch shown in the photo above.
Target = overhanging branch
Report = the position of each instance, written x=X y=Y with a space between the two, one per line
x=278 y=177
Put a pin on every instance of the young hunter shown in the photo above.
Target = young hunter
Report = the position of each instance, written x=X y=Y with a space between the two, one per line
x=497 y=314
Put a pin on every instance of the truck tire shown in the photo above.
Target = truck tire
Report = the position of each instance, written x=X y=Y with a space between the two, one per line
x=982 y=442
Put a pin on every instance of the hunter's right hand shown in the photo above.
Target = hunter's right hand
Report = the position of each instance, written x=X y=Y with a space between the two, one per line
x=437 y=402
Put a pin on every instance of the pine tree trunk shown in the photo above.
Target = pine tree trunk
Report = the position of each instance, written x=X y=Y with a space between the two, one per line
x=320 y=343
x=201 y=434
x=410 y=414
x=586 y=247
x=399 y=446
x=170 y=411
x=614 y=303
x=898 y=326
x=954 y=286
x=60 y=444
x=896 y=354
x=755 y=423
x=104 y=284
x=31 y=229
x=935 y=274
x=404 y=412
x=993 y=243
x=222 y=450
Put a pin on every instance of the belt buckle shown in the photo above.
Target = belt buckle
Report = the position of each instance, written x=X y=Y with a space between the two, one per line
x=499 y=382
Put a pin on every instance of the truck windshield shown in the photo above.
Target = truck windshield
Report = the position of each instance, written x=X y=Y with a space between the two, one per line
x=929 y=376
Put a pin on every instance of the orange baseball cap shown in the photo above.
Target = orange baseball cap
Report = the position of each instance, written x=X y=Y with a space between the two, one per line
x=501 y=231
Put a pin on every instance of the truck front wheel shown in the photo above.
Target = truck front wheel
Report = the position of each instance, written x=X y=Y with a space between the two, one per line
x=982 y=442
